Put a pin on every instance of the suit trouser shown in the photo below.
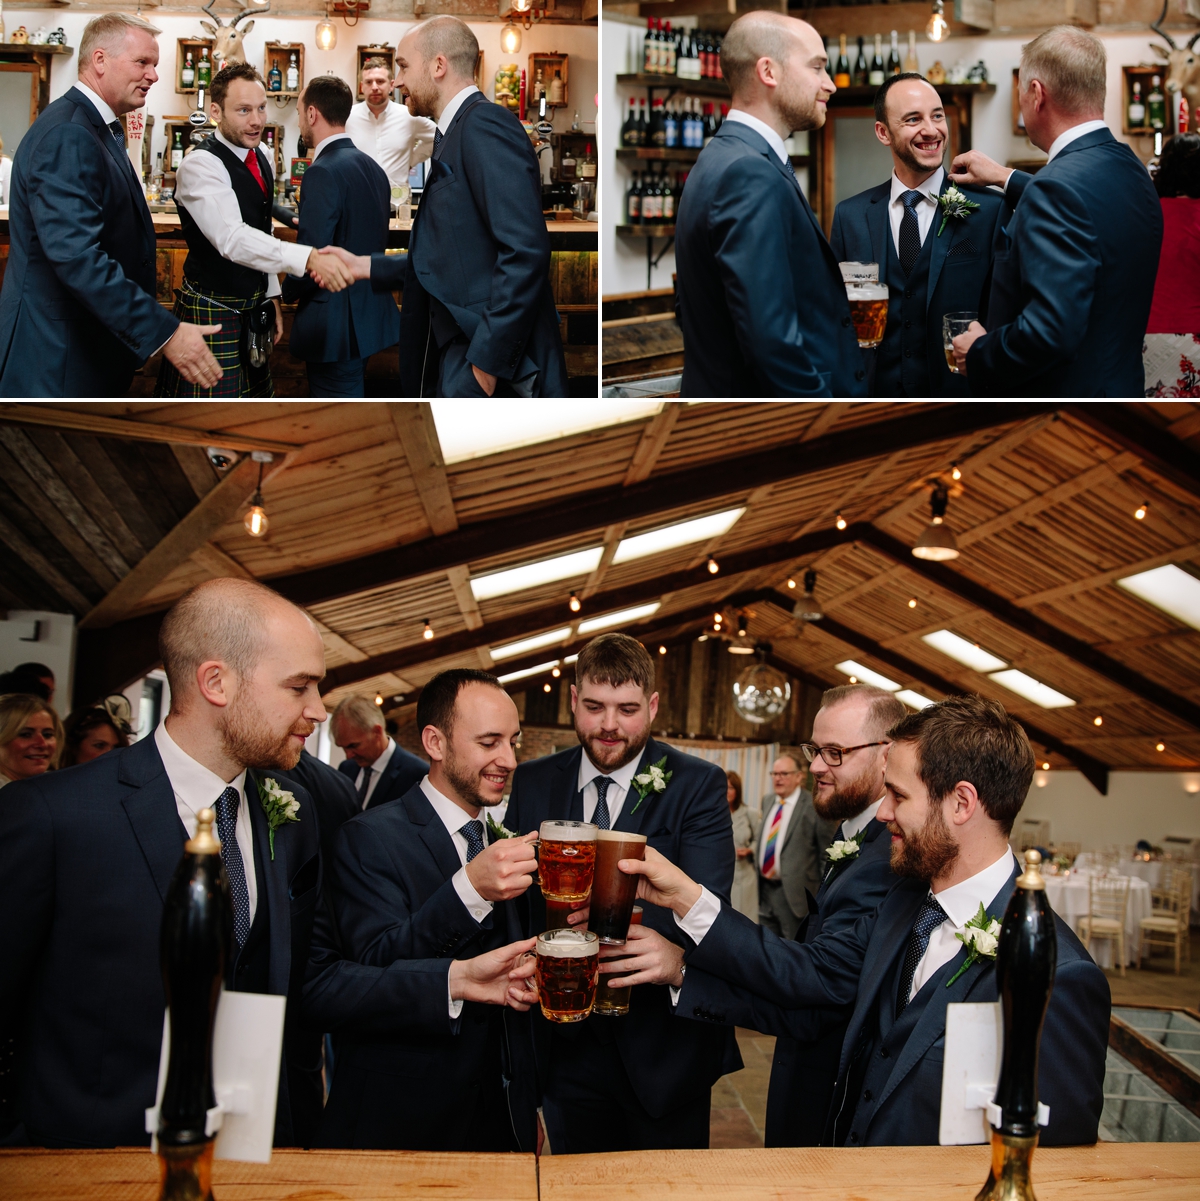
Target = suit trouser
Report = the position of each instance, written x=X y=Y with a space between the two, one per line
x=455 y=377
x=590 y=1106
x=774 y=912
x=344 y=378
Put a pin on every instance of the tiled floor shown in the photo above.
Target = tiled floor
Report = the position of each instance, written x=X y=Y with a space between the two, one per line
x=739 y=1101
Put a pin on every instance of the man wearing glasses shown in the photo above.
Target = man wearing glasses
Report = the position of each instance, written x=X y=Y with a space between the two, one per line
x=791 y=850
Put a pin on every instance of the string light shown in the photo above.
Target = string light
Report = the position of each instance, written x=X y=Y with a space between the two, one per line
x=955 y=473
x=556 y=672
x=742 y=624
x=1140 y=511
x=378 y=698
x=662 y=650
x=547 y=688
x=840 y=522
x=713 y=566
x=717 y=619
x=574 y=604
x=791 y=583
x=1045 y=767
x=1160 y=747
x=912 y=602
x=428 y=632
x=1097 y=720
x=255 y=521
x=854 y=679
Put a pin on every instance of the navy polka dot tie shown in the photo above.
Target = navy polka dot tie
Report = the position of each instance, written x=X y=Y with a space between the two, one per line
x=473 y=833
x=437 y=141
x=235 y=869
x=910 y=232
x=928 y=920
x=601 y=817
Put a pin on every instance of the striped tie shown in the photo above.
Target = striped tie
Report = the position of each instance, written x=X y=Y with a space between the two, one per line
x=768 y=863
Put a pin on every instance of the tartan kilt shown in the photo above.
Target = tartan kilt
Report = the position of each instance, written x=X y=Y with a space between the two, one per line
x=226 y=348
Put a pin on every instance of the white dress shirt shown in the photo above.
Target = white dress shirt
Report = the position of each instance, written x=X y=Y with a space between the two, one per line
x=101 y=105
x=852 y=825
x=789 y=807
x=395 y=139
x=620 y=781
x=333 y=137
x=1067 y=136
x=197 y=788
x=761 y=127
x=376 y=768
x=451 y=109
x=926 y=209
x=203 y=187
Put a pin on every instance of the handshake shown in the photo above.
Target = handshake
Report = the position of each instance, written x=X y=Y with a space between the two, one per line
x=334 y=268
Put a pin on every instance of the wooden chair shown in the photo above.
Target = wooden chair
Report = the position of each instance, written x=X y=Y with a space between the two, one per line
x=1168 y=924
x=1108 y=899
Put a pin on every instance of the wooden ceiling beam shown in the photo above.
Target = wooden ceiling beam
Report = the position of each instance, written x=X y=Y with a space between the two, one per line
x=418 y=436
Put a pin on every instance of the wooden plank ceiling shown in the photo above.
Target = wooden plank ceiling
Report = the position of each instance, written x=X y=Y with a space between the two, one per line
x=111 y=510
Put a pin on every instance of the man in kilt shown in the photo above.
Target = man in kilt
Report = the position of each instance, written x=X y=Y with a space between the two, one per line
x=224 y=190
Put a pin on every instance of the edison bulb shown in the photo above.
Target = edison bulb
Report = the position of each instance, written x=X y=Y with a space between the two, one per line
x=256 y=522
x=510 y=39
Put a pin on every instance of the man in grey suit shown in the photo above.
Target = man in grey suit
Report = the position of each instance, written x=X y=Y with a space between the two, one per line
x=791 y=850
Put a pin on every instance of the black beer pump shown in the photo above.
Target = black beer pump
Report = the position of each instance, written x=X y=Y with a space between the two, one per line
x=196 y=927
x=1025 y=963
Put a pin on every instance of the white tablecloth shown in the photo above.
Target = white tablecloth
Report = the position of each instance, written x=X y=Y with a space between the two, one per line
x=1068 y=897
x=1152 y=871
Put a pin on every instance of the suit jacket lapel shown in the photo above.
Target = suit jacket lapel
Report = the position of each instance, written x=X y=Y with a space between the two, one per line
x=628 y=820
x=275 y=886
x=877 y=224
x=152 y=812
x=567 y=802
x=434 y=834
x=118 y=152
x=941 y=245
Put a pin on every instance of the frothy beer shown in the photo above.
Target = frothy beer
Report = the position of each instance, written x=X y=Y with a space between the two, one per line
x=566 y=859
x=868 y=310
x=568 y=965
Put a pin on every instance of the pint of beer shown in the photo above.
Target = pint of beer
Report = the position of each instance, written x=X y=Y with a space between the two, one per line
x=954 y=324
x=566 y=858
x=868 y=301
x=613 y=892
x=568 y=964
x=614 y=1002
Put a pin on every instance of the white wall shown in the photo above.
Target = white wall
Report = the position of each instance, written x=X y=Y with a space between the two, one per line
x=55 y=648
x=1150 y=805
x=576 y=40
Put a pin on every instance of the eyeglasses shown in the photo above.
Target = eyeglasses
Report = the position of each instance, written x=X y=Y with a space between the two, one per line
x=783 y=775
x=833 y=755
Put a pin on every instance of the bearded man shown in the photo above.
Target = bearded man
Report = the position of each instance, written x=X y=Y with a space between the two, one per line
x=643 y=1082
x=86 y=856
x=957 y=775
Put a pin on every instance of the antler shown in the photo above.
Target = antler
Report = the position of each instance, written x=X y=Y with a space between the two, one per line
x=256 y=11
x=208 y=8
x=1162 y=33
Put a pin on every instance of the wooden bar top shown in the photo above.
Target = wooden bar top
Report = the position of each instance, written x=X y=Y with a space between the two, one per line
x=132 y=1175
x=1112 y=1171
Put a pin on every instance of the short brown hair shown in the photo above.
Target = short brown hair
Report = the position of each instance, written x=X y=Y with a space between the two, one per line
x=436 y=704
x=15 y=711
x=376 y=63
x=81 y=723
x=331 y=97
x=616 y=659
x=974 y=739
x=226 y=75
x=883 y=712
x=1072 y=65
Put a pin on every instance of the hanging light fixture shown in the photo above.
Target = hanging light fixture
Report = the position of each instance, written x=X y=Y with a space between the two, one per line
x=840 y=522
x=556 y=672
x=255 y=521
x=808 y=608
x=574 y=603
x=912 y=602
x=379 y=698
x=427 y=634
x=662 y=650
x=955 y=471
x=326 y=31
x=937 y=542
x=713 y=566
x=1140 y=511
x=743 y=623
x=761 y=693
x=791 y=583
x=937 y=28
x=1097 y=721
x=510 y=38
x=547 y=688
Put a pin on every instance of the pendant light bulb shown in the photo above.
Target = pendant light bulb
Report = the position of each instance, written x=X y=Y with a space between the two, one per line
x=937 y=28
x=427 y=634
x=1140 y=511
x=840 y=522
x=556 y=672
x=326 y=32
x=808 y=608
x=574 y=603
x=379 y=699
x=510 y=38
x=713 y=566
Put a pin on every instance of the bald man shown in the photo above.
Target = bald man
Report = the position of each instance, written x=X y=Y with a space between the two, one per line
x=761 y=300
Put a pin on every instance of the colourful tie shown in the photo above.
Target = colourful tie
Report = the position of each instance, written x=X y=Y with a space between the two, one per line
x=235 y=869
x=601 y=817
x=252 y=164
x=768 y=864
x=928 y=920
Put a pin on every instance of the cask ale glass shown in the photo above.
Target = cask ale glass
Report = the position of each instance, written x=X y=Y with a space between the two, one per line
x=566 y=857
x=954 y=324
x=613 y=892
x=568 y=965
x=868 y=302
x=614 y=1002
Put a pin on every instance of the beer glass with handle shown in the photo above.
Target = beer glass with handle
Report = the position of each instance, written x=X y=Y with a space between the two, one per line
x=568 y=965
x=614 y=1002
x=613 y=892
x=954 y=324
x=566 y=859
x=868 y=301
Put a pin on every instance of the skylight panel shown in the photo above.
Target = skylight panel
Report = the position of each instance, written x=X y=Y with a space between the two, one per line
x=865 y=675
x=914 y=700
x=512 y=649
x=967 y=653
x=1031 y=689
x=528 y=671
x=1170 y=589
x=621 y=616
x=532 y=575
x=682 y=533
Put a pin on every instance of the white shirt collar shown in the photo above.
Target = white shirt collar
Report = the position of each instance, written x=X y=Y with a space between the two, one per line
x=101 y=106
x=193 y=783
x=451 y=109
x=961 y=902
x=388 y=750
x=333 y=137
x=930 y=189
x=852 y=825
x=384 y=112
x=761 y=127
x=791 y=798
x=1067 y=136
x=453 y=815
x=623 y=776
x=241 y=151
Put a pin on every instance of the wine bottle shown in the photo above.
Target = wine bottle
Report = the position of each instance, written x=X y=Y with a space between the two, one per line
x=274 y=78
x=1137 y=110
x=670 y=49
x=629 y=129
x=649 y=48
x=875 y=76
x=633 y=202
x=717 y=58
x=668 y=202
x=1156 y=107
x=861 y=71
x=195 y=935
x=841 y=70
x=670 y=128
x=893 y=63
x=658 y=127
x=910 y=59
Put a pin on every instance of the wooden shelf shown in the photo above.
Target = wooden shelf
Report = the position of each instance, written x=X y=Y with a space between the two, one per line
x=655 y=154
x=195 y=45
x=279 y=54
x=697 y=87
x=645 y=231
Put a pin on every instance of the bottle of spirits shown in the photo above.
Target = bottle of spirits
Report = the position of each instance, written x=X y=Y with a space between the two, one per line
x=556 y=88
x=1155 y=104
x=203 y=69
x=875 y=76
x=893 y=63
x=293 y=74
x=566 y=164
x=910 y=59
x=670 y=128
x=587 y=168
x=658 y=127
x=275 y=78
x=187 y=76
x=861 y=70
x=269 y=144
x=841 y=70
x=629 y=131
x=176 y=149
x=1137 y=110
x=633 y=201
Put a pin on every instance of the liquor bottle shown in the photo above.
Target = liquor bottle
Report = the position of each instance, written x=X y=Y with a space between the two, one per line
x=275 y=78
x=649 y=51
x=176 y=149
x=1156 y=105
x=893 y=63
x=556 y=88
x=910 y=59
x=293 y=74
x=633 y=201
x=861 y=73
x=587 y=168
x=187 y=76
x=841 y=70
x=203 y=69
x=710 y=124
x=722 y=115
x=689 y=68
x=195 y=935
x=717 y=57
x=875 y=76
x=643 y=125
x=670 y=128
x=629 y=128
x=668 y=201
x=1137 y=110
x=658 y=129
x=566 y=164
x=696 y=141
x=668 y=51
x=269 y=147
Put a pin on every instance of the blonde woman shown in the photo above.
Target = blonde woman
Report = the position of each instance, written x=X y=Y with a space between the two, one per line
x=30 y=737
x=744 y=896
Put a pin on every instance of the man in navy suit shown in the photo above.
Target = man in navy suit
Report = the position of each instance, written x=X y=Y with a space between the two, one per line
x=86 y=856
x=418 y=881
x=344 y=202
x=78 y=313
x=376 y=766
x=1074 y=274
x=931 y=266
x=761 y=301
x=478 y=317
x=643 y=1081
x=847 y=754
x=957 y=775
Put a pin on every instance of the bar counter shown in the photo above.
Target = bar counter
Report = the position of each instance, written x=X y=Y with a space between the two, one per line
x=1113 y=1171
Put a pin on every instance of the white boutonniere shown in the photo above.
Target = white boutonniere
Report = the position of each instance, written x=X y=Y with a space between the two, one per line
x=981 y=937
x=279 y=806
x=497 y=830
x=954 y=203
x=653 y=779
x=844 y=848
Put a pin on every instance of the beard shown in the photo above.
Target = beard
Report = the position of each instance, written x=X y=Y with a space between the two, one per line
x=800 y=112
x=928 y=852
x=465 y=785
x=609 y=757
x=421 y=98
x=249 y=740
x=908 y=157
x=847 y=799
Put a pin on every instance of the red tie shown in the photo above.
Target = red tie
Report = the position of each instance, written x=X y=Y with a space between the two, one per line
x=252 y=164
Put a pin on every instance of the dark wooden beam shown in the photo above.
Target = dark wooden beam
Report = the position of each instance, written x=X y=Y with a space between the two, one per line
x=1161 y=451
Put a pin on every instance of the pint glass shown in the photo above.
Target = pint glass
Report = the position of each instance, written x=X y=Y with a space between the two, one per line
x=566 y=858
x=613 y=892
x=568 y=963
x=614 y=1002
x=954 y=324
x=868 y=301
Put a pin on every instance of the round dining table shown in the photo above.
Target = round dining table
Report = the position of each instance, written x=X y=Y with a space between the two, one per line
x=1069 y=897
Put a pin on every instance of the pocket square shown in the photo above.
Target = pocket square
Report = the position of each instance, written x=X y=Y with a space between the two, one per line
x=967 y=247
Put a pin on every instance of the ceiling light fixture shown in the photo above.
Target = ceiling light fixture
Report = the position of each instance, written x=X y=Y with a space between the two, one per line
x=713 y=566
x=326 y=32
x=255 y=521
x=378 y=699
x=574 y=604
x=510 y=38
x=526 y=672
x=702 y=638
x=427 y=633
x=510 y=650
x=937 y=542
x=546 y=687
x=969 y=654
x=955 y=471
x=532 y=575
x=857 y=672
x=740 y=648
x=620 y=617
x=1160 y=746
x=556 y=672
x=717 y=619
x=912 y=602
x=743 y=622
x=1170 y=589
x=808 y=608
x=791 y=583
x=681 y=533
x=937 y=28
x=1097 y=721
x=840 y=522
x=1140 y=511
x=914 y=700
x=1032 y=690
x=662 y=650
x=1045 y=767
